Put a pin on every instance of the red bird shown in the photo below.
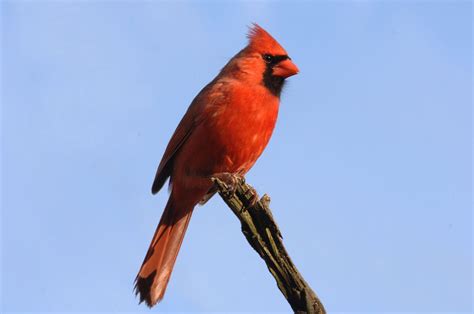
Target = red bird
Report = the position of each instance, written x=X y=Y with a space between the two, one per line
x=223 y=132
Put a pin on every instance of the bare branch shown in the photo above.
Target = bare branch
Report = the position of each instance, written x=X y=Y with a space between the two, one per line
x=263 y=234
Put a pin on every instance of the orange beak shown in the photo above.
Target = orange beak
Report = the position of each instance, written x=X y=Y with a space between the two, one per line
x=285 y=69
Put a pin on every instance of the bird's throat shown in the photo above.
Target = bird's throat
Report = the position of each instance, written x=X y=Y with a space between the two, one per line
x=273 y=83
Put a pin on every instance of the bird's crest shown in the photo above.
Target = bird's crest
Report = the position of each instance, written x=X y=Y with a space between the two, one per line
x=261 y=41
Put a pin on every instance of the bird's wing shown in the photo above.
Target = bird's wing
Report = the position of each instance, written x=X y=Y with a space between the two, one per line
x=181 y=134
x=188 y=123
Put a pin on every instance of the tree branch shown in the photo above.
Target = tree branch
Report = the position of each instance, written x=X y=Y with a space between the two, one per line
x=263 y=234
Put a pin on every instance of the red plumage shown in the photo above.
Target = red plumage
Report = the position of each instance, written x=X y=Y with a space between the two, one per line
x=225 y=130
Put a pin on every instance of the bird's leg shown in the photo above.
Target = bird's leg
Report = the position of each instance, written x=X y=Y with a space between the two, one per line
x=231 y=180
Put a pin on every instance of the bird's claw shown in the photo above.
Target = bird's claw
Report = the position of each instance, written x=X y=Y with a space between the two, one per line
x=230 y=181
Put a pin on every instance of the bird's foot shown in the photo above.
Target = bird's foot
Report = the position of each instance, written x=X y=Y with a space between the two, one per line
x=231 y=180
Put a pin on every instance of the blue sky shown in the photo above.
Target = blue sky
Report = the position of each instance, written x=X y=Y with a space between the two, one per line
x=369 y=168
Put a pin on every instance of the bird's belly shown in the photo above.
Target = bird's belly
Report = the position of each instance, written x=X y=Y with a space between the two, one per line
x=232 y=142
x=242 y=136
x=241 y=145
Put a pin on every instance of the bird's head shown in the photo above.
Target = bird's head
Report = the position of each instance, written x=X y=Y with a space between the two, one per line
x=264 y=61
x=263 y=46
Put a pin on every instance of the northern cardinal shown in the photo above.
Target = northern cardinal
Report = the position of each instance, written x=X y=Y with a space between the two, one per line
x=224 y=131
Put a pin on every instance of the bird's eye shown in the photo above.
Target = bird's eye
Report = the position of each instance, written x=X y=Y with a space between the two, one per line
x=268 y=58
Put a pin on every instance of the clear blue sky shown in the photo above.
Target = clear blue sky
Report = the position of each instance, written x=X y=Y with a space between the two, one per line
x=369 y=168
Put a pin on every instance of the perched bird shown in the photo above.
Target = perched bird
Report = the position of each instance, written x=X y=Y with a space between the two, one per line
x=223 y=132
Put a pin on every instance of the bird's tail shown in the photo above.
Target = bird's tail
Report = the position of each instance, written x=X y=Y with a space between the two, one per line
x=156 y=269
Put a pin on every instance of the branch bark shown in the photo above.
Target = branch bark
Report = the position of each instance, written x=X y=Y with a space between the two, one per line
x=264 y=236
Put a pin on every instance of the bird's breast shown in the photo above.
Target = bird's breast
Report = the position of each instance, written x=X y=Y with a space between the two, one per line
x=241 y=128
